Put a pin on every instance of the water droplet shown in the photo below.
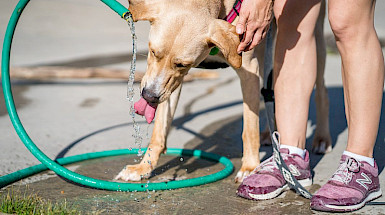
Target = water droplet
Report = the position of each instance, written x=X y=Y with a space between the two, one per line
x=140 y=153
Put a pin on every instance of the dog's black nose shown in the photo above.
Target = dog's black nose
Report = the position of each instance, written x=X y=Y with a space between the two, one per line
x=150 y=96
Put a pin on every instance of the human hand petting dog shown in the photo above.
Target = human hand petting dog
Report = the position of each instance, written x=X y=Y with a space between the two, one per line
x=254 y=21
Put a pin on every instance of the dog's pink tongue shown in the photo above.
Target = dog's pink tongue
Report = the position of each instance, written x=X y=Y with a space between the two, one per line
x=142 y=107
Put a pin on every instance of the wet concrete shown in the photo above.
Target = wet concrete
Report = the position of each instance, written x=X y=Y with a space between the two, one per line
x=216 y=198
x=222 y=138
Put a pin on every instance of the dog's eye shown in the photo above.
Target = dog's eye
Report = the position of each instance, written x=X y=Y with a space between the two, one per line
x=180 y=65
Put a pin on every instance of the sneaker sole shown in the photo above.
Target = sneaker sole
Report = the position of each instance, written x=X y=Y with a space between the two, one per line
x=304 y=182
x=370 y=197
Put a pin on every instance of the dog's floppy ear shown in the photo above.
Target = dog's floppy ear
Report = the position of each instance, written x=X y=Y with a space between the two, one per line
x=222 y=34
x=142 y=10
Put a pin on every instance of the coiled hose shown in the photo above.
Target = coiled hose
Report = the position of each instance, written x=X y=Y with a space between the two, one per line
x=55 y=166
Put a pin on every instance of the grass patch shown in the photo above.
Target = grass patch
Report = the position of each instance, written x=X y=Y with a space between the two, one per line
x=15 y=202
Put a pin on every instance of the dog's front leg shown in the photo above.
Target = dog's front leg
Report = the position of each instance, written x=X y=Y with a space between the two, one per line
x=165 y=114
x=322 y=142
x=249 y=78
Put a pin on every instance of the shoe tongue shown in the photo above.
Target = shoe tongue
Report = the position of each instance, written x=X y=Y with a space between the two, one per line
x=143 y=108
x=352 y=164
x=284 y=150
x=344 y=172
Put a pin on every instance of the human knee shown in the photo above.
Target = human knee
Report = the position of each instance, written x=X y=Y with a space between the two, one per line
x=346 y=26
x=291 y=35
x=341 y=26
x=296 y=19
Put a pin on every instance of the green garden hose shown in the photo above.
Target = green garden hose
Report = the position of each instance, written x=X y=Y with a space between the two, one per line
x=55 y=166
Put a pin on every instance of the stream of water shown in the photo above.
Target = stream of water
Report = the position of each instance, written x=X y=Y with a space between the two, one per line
x=130 y=85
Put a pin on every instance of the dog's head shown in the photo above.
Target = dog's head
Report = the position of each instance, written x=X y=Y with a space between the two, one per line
x=181 y=36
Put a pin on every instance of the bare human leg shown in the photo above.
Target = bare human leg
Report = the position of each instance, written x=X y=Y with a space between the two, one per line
x=362 y=70
x=295 y=67
x=352 y=22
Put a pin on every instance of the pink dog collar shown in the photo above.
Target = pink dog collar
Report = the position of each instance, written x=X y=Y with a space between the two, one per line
x=234 y=12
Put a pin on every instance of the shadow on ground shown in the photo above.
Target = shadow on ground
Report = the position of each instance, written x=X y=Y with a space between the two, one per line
x=222 y=137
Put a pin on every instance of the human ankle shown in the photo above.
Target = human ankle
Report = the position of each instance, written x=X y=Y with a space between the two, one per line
x=295 y=150
x=369 y=160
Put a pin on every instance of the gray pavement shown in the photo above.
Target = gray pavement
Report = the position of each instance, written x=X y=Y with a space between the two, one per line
x=67 y=117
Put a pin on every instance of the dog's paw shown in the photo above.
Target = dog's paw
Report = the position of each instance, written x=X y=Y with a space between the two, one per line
x=248 y=166
x=322 y=144
x=134 y=173
x=242 y=174
x=265 y=138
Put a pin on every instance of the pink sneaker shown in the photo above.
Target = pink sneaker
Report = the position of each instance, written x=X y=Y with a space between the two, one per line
x=350 y=188
x=267 y=182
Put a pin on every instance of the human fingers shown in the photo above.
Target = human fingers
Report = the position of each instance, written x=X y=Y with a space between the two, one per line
x=256 y=40
x=246 y=41
x=241 y=24
x=259 y=35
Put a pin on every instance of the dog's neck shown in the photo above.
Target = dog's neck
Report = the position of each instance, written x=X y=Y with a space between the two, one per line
x=226 y=7
x=216 y=8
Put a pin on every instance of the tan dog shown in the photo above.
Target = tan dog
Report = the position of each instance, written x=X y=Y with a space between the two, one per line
x=181 y=36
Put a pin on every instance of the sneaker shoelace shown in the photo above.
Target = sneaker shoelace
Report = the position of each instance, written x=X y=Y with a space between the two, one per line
x=346 y=170
x=270 y=164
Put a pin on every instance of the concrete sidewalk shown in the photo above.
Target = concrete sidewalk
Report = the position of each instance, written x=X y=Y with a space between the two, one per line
x=68 y=117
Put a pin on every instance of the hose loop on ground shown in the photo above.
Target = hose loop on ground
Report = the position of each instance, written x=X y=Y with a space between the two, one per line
x=57 y=167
